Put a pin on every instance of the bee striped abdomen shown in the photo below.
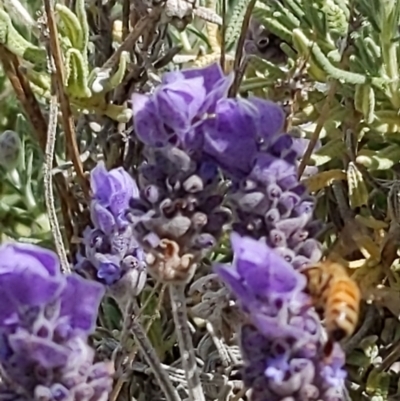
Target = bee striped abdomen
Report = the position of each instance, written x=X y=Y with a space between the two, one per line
x=342 y=308
x=336 y=296
x=319 y=284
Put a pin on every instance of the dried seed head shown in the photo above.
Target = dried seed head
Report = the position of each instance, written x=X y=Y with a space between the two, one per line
x=168 y=265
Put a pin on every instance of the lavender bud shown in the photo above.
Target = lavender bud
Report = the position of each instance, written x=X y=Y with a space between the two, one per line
x=10 y=149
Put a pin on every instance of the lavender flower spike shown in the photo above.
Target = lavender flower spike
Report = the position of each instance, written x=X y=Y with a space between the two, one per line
x=45 y=319
x=110 y=253
x=267 y=200
x=178 y=216
x=281 y=341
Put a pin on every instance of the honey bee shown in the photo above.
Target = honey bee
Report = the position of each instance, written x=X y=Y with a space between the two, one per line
x=335 y=295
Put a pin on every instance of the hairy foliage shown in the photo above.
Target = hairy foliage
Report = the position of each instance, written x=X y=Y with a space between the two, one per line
x=333 y=65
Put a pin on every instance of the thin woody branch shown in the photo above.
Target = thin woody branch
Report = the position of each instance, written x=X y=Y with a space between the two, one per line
x=66 y=114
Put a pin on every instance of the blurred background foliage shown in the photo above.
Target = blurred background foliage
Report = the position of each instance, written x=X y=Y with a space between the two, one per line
x=332 y=64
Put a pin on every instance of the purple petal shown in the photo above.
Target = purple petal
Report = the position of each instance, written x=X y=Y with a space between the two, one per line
x=231 y=278
x=28 y=277
x=229 y=137
x=147 y=124
x=45 y=352
x=26 y=287
x=212 y=75
x=121 y=181
x=218 y=92
x=281 y=145
x=180 y=99
x=108 y=271
x=100 y=184
x=172 y=76
x=172 y=110
x=41 y=260
x=80 y=302
x=272 y=327
x=119 y=203
x=270 y=169
x=270 y=117
x=102 y=218
x=263 y=269
x=246 y=248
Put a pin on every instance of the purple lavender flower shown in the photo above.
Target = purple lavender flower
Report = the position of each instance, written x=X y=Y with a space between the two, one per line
x=190 y=110
x=110 y=252
x=189 y=127
x=238 y=128
x=45 y=319
x=177 y=216
x=112 y=191
x=178 y=107
x=281 y=343
x=266 y=197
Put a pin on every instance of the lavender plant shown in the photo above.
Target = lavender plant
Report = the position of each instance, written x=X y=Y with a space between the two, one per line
x=243 y=138
x=45 y=321
x=198 y=166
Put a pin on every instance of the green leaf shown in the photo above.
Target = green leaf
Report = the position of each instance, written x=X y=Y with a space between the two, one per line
x=18 y=45
x=77 y=74
x=71 y=26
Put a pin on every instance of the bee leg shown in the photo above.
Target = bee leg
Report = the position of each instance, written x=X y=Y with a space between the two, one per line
x=328 y=348
x=312 y=304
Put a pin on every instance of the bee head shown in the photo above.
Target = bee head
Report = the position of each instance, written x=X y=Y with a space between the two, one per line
x=338 y=334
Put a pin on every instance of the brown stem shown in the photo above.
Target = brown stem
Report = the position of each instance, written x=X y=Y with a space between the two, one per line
x=320 y=124
x=237 y=65
x=125 y=18
x=223 y=36
x=24 y=94
x=66 y=114
x=145 y=24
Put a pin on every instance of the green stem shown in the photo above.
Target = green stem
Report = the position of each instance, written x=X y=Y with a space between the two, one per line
x=389 y=54
x=187 y=47
x=389 y=16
